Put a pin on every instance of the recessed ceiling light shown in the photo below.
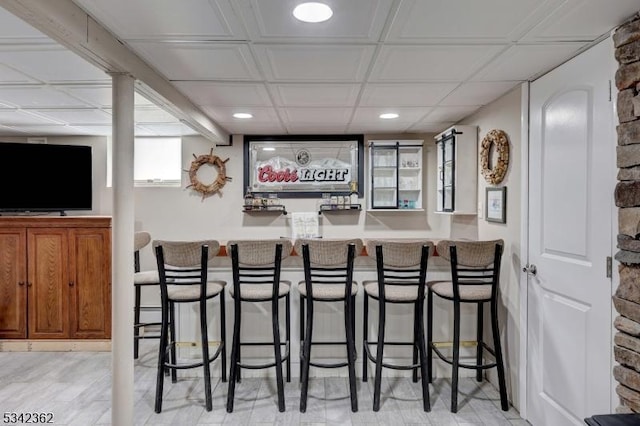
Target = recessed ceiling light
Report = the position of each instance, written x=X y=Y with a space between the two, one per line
x=389 y=115
x=243 y=115
x=268 y=148
x=312 y=12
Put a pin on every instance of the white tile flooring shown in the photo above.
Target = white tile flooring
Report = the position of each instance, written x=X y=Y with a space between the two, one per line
x=76 y=388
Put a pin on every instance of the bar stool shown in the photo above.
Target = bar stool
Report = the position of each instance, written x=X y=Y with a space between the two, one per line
x=256 y=278
x=402 y=272
x=475 y=278
x=182 y=267
x=328 y=272
x=142 y=279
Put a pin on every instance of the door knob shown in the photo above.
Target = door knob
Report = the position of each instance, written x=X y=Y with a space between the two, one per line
x=530 y=269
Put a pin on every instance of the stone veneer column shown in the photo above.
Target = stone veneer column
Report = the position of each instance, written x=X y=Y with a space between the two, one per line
x=627 y=196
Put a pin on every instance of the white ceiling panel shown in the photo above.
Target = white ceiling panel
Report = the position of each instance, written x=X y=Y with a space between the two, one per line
x=52 y=64
x=299 y=128
x=398 y=94
x=583 y=20
x=37 y=97
x=273 y=128
x=315 y=95
x=43 y=130
x=166 y=19
x=466 y=20
x=430 y=63
x=14 y=29
x=199 y=61
x=99 y=96
x=330 y=63
x=95 y=129
x=153 y=114
x=430 y=127
x=16 y=117
x=167 y=129
x=478 y=93
x=352 y=21
x=380 y=127
x=338 y=116
x=11 y=76
x=523 y=62
x=225 y=114
x=407 y=115
x=449 y=113
x=77 y=117
x=225 y=94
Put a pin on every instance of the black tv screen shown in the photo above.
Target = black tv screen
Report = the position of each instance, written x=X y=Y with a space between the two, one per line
x=43 y=177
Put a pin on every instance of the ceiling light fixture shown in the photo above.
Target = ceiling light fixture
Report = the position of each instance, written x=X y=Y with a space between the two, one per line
x=389 y=115
x=268 y=148
x=242 y=115
x=312 y=12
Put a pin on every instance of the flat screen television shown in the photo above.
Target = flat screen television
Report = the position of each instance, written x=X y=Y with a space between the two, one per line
x=45 y=178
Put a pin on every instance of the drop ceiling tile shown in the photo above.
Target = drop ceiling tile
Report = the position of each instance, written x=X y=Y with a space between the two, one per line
x=582 y=20
x=199 y=61
x=398 y=94
x=315 y=95
x=153 y=115
x=168 y=20
x=322 y=63
x=431 y=63
x=20 y=118
x=315 y=116
x=37 y=97
x=430 y=127
x=316 y=128
x=14 y=29
x=368 y=127
x=52 y=64
x=99 y=96
x=47 y=130
x=449 y=113
x=244 y=128
x=406 y=115
x=465 y=21
x=143 y=131
x=77 y=117
x=9 y=75
x=523 y=62
x=225 y=94
x=169 y=129
x=478 y=93
x=225 y=114
x=96 y=130
x=352 y=21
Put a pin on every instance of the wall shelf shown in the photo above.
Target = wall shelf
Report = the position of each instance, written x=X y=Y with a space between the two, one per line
x=274 y=209
x=333 y=208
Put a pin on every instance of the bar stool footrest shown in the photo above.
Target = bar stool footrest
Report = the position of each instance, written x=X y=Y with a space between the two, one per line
x=461 y=365
x=387 y=365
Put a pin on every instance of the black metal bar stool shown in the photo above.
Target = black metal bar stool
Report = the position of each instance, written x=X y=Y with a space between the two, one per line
x=142 y=279
x=182 y=267
x=256 y=278
x=475 y=278
x=328 y=273
x=402 y=272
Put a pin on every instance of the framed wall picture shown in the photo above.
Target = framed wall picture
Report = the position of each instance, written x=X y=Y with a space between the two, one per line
x=496 y=204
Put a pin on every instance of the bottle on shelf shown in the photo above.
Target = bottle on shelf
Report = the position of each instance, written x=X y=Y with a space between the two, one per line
x=248 y=199
x=353 y=196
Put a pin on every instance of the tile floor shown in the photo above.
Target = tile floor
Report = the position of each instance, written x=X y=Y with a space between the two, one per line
x=76 y=388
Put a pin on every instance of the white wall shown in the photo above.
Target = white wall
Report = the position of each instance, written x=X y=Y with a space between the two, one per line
x=504 y=114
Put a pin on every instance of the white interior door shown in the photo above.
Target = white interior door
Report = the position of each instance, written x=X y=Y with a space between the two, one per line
x=571 y=170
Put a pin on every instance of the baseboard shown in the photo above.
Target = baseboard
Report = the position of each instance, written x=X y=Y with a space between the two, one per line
x=55 y=345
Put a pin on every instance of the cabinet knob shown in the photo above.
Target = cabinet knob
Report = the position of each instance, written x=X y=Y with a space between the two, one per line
x=21 y=283
x=71 y=283
x=29 y=284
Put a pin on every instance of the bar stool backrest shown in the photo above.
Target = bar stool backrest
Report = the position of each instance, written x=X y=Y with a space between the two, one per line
x=398 y=253
x=474 y=254
x=259 y=252
x=184 y=262
x=140 y=240
x=323 y=252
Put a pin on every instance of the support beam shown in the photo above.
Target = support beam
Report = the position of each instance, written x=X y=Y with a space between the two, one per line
x=71 y=26
x=123 y=229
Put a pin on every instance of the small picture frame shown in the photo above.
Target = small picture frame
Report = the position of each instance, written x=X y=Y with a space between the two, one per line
x=496 y=204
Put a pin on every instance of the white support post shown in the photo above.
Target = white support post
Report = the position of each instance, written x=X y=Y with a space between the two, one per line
x=123 y=230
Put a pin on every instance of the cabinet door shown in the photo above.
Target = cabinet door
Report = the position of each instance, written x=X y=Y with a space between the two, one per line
x=384 y=177
x=13 y=278
x=48 y=283
x=90 y=283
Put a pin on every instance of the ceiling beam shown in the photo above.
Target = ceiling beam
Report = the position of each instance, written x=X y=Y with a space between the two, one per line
x=72 y=27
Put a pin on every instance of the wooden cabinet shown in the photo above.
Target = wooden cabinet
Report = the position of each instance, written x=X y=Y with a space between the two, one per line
x=457 y=180
x=55 y=277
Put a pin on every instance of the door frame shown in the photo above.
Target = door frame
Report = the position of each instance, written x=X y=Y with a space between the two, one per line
x=524 y=229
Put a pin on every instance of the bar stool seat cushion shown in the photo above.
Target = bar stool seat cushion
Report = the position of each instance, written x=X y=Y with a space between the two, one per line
x=146 y=277
x=192 y=292
x=326 y=291
x=261 y=291
x=468 y=292
x=392 y=293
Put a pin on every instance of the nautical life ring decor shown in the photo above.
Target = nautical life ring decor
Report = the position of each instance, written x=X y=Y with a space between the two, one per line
x=220 y=180
x=496 y=174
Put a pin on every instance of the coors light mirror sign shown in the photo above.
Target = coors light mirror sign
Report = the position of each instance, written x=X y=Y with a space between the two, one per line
x=291 y=166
